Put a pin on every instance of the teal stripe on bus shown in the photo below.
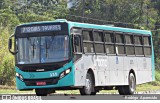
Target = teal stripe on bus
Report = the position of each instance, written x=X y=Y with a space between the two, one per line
x=110 y=28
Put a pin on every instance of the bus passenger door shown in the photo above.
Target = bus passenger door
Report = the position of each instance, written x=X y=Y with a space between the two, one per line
x=78 y=60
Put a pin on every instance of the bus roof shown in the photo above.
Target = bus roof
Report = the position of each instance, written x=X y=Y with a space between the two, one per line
x=93 y=26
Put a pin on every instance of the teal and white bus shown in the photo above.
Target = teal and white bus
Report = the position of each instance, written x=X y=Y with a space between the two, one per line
x=65 y=55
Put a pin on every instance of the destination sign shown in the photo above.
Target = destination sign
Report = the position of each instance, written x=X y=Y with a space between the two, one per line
x=46 y=28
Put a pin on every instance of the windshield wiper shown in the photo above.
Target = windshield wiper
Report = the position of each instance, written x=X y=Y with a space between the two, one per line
x=33 y=50
x=47 y=47
x=33 y=46
x=46 y=50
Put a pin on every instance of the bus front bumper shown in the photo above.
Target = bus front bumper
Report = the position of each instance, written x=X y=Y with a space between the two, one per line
x=66 y=81
x=50 y=79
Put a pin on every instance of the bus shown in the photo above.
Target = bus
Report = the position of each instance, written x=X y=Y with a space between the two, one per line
x=65 y=55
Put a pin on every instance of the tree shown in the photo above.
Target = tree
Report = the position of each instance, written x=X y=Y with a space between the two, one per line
x=130 y=11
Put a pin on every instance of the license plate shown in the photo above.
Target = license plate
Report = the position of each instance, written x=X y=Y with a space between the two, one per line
x=41 y=83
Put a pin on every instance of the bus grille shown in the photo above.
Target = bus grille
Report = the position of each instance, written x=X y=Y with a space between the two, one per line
x=38 y=68
x=49 y=81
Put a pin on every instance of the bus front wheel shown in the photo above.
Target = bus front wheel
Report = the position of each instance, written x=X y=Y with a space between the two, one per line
x=41 y=92
x=129 y=89
x=88 y=89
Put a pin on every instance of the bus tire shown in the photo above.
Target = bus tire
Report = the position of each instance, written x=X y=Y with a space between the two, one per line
x=129 y=89
x=132 y=84
x=88 y=89
x=122 y=90
x=93 y=93
x=41 y=92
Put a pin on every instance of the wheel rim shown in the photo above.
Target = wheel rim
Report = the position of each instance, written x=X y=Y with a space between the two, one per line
x=88 y=85
x=132 y=83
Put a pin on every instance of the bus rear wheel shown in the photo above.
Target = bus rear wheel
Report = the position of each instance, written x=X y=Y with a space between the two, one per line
x=88 y=89
x=129 y=89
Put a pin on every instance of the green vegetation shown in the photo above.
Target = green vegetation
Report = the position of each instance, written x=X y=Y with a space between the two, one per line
x=6 y=60
x=10 y=91
x=142 y=14
x=148 y=87
x=157 y=77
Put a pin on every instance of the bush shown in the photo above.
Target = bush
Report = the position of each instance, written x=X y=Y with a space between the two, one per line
x=7 y=74
x=157 y=64
x=157 y=75
x=7 y=71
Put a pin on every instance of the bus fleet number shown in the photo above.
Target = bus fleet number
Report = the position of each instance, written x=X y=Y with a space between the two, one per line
x=54 y=74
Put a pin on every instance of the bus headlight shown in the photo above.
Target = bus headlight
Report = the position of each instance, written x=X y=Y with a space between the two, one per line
x=64 y=73
x=68 y=71
x=19 y=76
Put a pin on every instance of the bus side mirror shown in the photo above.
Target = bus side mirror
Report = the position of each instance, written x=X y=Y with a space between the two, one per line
x=10 y=44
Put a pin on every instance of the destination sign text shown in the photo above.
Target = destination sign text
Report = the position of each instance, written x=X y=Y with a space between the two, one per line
x=46 y=28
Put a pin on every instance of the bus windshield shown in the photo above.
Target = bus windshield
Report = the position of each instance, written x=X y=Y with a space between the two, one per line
x=44 y=49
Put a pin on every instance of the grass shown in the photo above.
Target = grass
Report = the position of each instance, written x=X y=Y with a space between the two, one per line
x=13 y=91
x=152 y=86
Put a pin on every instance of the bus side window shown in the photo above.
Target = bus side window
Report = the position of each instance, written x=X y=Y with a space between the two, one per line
x=99 y=42
x=109 y=43
x=147 y=45
x=138 y=45
x=138 y=40
x=88 y=41
x=77 y=43
x=146 y=41
x=129 y=45
x=119 y=38
x=120 y=48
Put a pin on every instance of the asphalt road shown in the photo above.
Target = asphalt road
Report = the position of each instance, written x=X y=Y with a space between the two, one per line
x=138 y=96
x=78 y=97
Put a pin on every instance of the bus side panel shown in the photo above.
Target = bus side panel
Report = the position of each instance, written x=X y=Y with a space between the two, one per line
x=98 y=64
x=139 y=77
x=81 y=67
x=102 y=67
x=89 y=63
x=144 y=73
x=116 y=70
x=79 y=72
x=143 y=77
x=130 y=63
